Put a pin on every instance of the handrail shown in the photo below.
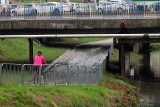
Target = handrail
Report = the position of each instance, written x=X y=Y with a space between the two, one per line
x=81 y=35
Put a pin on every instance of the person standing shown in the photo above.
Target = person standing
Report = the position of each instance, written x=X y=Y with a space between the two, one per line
x=38 y=61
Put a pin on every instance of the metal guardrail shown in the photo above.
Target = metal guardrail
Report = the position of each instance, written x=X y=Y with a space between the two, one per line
x=138 y=10
x=50 y=74
x=83 y=35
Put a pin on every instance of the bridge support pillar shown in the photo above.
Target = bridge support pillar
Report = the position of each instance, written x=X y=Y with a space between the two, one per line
x=124 y=60
x=146 y=61
x=30 y=50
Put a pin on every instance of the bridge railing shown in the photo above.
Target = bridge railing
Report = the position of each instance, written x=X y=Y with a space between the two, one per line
x=80 y=11
x=50 y=74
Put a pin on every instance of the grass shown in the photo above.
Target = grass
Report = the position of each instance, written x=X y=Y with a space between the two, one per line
x=78 y=40
x=111 y=91
x=134 y=57
x=155 y=47
x=101 y=95
x=17 y=50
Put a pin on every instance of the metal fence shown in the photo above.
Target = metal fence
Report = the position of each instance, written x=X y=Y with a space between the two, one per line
x=138 y=10
x=50 y=74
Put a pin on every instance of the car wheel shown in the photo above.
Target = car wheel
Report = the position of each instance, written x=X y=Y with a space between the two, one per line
x=72 y=10
x=99 y=10
x=14 y=13
x=119 y=10
x=56 y=12
x=34 y=12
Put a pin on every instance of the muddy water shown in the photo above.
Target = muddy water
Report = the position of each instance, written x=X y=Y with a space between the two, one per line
x=150 y=88
x=155 y=64
x=150 y=91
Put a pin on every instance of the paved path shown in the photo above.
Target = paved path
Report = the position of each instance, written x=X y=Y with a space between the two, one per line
x=87 y=51
x=83 y=65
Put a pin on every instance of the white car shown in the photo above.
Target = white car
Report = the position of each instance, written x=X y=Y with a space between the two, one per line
x=77 y=7
x=49 y=7
x=66 y=7
x=27 y=9
x=113 y=7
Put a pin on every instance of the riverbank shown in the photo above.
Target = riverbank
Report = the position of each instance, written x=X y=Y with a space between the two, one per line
x=112 y=91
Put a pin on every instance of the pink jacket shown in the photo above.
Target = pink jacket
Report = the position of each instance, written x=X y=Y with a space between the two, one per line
x=39 y=60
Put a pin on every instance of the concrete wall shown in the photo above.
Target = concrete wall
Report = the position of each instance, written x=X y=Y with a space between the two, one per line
x=70 y=24
x=152 y=25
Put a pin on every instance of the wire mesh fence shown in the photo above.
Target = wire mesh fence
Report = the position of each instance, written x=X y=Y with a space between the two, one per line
x=50 y=74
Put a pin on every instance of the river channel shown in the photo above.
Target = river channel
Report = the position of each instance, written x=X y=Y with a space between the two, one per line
x=150 y=91
x=150 y=87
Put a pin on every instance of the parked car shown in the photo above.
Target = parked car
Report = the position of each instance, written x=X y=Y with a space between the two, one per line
x=1 y=9
x=66 y=7
x=49 y=8
x=6 y=10
x=76 y=7
x=113 y=7
x=28 y=9
x=155 y=6
x=79 y=8
x=132 y=5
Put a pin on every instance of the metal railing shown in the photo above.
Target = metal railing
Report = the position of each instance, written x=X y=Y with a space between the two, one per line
x=138 y=10
x=50 y=74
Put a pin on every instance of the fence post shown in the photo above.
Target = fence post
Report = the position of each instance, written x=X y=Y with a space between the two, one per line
x=68 y=74
x=39 y=75
x=78 y=70
x=22 y=75
x=1 y=74
x=86 y=75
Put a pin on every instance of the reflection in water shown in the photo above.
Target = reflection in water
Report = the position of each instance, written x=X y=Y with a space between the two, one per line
x=151 y=93
x=150 y=88
x=155 y=64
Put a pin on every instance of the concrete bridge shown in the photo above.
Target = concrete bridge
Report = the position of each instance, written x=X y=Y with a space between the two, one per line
x=80 y=26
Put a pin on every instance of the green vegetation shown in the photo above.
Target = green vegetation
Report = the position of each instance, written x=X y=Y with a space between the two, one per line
x=112 y=91
x=134 y=57
x=17 y=50
x=155 y=47
x=78 y=40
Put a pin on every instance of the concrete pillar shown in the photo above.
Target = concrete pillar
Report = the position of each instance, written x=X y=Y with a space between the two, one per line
x=127 y=64
x=146 y=61
x=122 y=59
x=30 y=50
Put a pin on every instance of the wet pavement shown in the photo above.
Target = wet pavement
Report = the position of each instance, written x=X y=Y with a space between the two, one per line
x=83 y=64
